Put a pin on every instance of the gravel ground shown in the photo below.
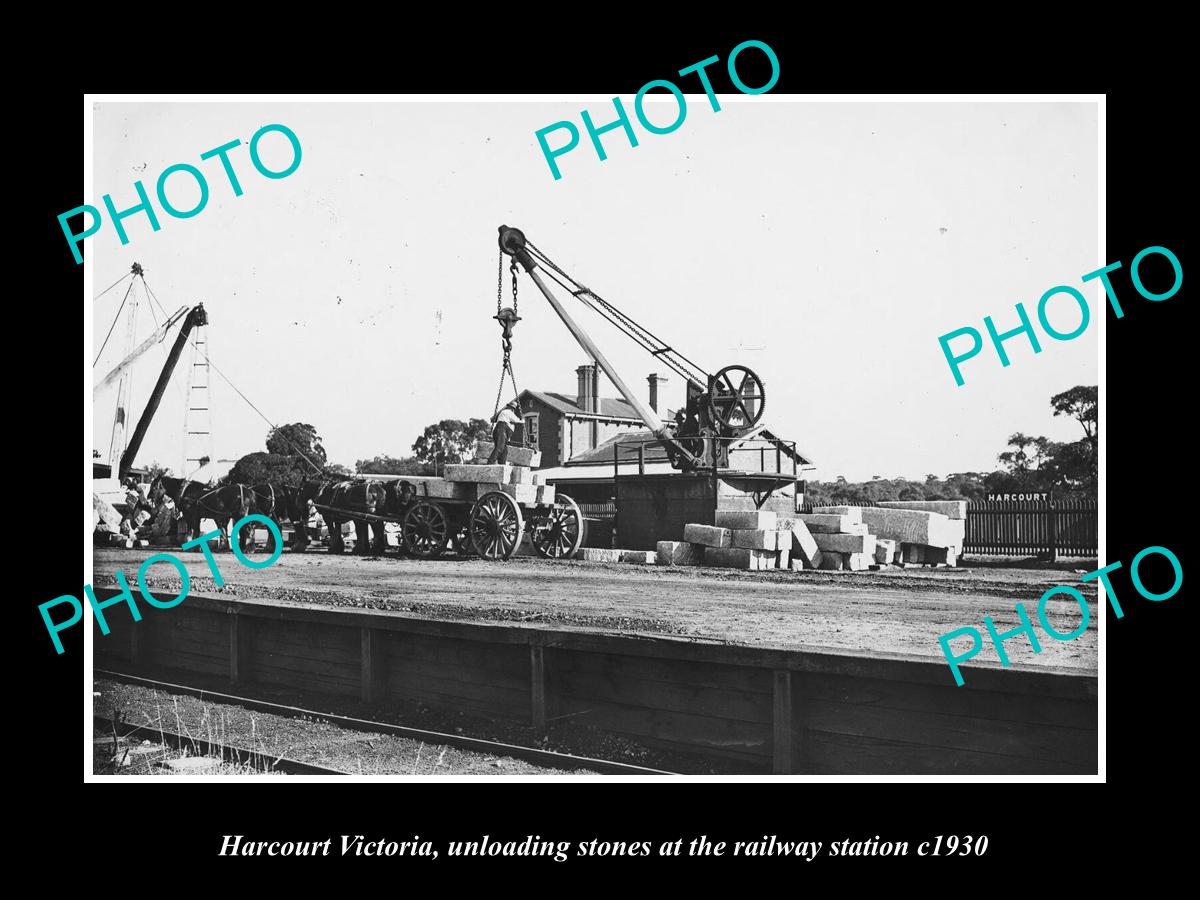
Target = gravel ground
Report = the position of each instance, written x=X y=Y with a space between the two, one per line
x=304 y=740
x=892 y=612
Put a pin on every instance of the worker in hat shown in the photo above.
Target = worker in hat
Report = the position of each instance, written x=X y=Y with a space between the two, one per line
x=503 y=423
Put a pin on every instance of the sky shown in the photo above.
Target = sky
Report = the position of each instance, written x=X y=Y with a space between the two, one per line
x=825 y=245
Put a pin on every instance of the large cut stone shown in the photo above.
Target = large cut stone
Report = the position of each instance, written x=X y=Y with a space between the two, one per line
x=521 y=475
x=732 y=558
x=522 y=493
x=708 y=535
x=641 y=557
x=759 y=520
x=845 y=543
x=830 y=522
x=858 y=562
x=951 y=509
x=783 y=559
x=855 y=512
x=447 y=490
x=910 y=526
x=598 y=554
x=885 y=551
x=755 y=540
x=478 y=474
x=802 y=544
x=517 y=456
x=545 y=493
x=679 y=553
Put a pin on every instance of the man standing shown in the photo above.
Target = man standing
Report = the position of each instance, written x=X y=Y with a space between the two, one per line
x=505 y=421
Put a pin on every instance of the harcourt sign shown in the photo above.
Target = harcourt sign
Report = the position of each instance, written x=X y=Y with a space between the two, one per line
x=1028 y=497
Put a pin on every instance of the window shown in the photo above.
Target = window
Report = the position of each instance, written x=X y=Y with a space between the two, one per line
x=531 y=430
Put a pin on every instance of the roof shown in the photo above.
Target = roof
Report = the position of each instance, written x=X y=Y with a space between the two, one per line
x=610 y=407
x=602 y=455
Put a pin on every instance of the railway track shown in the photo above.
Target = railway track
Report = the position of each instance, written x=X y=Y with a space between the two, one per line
x=535 y=755
x=256 y=759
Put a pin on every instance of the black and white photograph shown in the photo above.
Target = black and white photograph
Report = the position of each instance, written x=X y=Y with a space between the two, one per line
x=735 y=435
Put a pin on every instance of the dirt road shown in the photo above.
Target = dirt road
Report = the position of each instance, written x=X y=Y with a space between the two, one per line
x=892 y=613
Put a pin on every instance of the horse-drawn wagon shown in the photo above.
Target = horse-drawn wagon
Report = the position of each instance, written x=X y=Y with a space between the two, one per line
x=474 y=509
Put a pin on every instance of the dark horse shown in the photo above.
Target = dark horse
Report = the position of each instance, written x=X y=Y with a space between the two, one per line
x=195 y=501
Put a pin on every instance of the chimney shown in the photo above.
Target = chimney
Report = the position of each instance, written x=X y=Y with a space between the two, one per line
x=585 y=397
x=655 y=380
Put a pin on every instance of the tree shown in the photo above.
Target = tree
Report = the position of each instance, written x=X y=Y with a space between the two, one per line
x=392 y=465
x=297 y=438
x=1029 y=454
x=277 y=468
x=1082 y=404
x=449 y=440
x=155 y=469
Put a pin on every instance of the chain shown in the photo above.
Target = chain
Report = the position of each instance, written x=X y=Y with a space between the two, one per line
x=499 y=282
x=513 y=268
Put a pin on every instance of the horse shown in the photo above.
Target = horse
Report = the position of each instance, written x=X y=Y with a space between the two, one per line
x=269 y=501
x=223 y=504
x=349 y=497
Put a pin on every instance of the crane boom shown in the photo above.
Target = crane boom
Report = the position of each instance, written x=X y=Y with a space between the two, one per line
x=145 y=345
x=197 y=316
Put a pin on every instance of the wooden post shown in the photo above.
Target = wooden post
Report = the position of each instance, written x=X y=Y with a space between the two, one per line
x=782 y=722
x=235 y=646
x=368 y=664
x=642 y=458
x=537 y=688
x=136 y=640
x=1052 y=528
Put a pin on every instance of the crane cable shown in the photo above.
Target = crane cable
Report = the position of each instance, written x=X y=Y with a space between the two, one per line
x=641 y=335
x=274 y=427
x=116 y=318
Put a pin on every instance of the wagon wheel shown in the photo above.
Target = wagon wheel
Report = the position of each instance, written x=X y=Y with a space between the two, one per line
x=495 y=525
x=737 y=397
x=558 y=534
x=460 y=541
x=426 y=529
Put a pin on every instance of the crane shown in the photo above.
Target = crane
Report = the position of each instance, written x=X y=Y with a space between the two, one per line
x=721 y=407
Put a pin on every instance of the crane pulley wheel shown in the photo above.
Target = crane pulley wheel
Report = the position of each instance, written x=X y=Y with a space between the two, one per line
x=737 y=397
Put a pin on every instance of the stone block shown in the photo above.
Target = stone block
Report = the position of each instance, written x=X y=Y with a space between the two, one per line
x=545 y=493
x=679 y=553
x=522 y=493
x=478 y=474
x=521 y=475
x=783 y=559
x=447 y=490
x=910 y=526
x=830 y=523
x=708 y=535
x=640 y=557
x=859 y=562
x=845 y=543
x=731 y=558
x=598 y=554
x=517 y=456
x=759 y=520
x=755 y=540
x=854 y=512
x=885 y=551
x=803 y=544
x=951 y=509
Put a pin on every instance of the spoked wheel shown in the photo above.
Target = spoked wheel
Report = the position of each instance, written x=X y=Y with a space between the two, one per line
x=426 y=529
x=496 y=525
x=460 y=541
x=737 y=397
x=558 y=534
